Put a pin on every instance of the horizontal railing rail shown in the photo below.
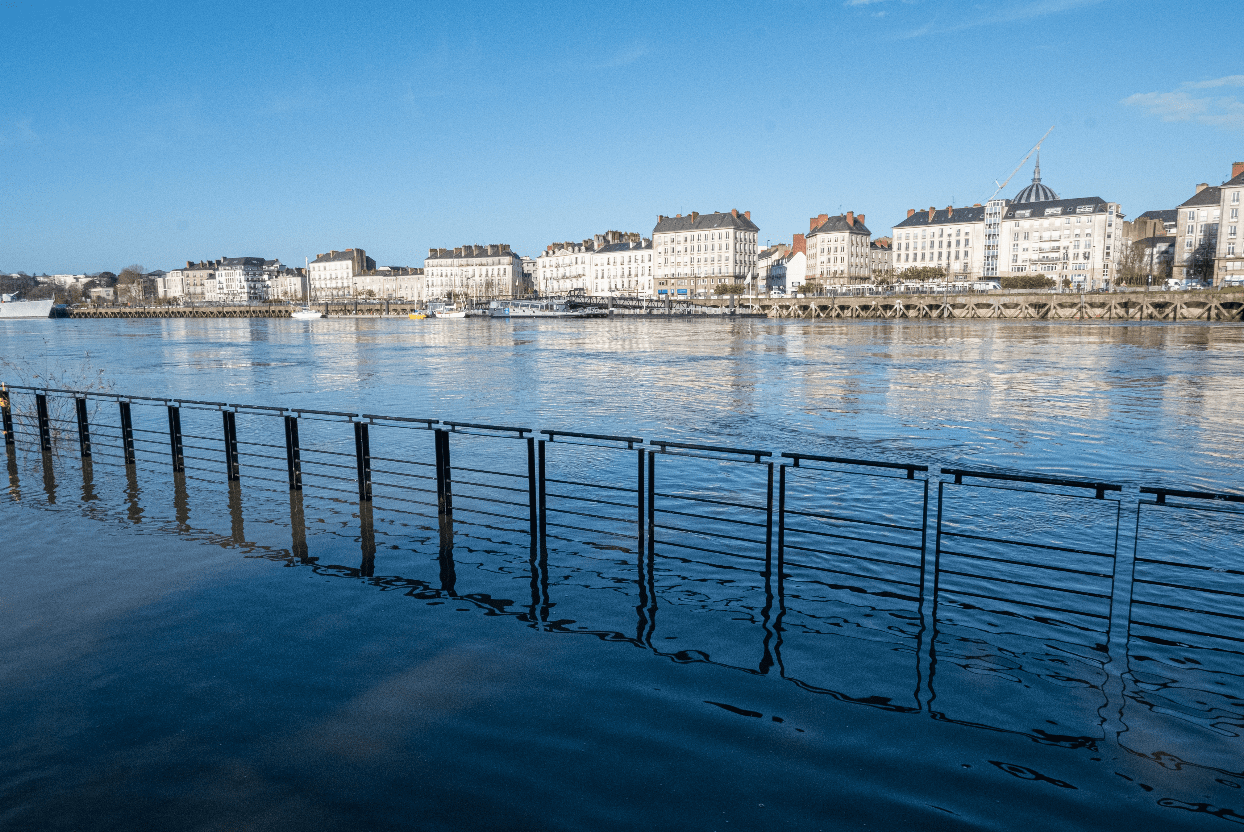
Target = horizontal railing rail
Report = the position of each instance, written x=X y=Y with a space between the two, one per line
x=910 y=467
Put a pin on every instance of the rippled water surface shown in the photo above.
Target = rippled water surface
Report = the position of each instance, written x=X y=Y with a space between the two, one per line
x=867 y=651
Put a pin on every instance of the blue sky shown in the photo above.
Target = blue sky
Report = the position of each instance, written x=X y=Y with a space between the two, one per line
x=160 y=132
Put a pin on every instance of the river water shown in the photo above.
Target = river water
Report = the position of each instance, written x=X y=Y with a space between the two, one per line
x=173 y=659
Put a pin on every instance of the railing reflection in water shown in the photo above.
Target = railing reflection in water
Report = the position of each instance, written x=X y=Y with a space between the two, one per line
x=986 y=599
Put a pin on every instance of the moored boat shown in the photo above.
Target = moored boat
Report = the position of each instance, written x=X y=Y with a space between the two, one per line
x=26 y=309
x=306 y=313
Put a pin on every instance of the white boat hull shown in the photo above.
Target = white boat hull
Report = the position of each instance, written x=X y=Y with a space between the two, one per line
x=306 y=314
x=26 y=309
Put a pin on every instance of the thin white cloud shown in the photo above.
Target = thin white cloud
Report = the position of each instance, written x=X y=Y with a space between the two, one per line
x=1226 y=81
x=624 y=57
x=978 y=15
x=1181 y=104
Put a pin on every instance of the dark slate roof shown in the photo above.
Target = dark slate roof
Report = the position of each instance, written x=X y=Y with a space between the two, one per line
x=944 y=217
x=1234 y=181
x=1208 y=196
x=1167 y=215
x=839 y=225
x=1154 y=242
x=705 y=222
x=646 y=245
x=450 y=255
x=241 y=261
x=348 y=254
x=1068 y=206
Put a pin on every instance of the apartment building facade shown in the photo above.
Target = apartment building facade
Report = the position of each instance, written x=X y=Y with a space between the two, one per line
x=694 y=254
x=487 y=271
x=332 y=274
x=838 y=249
x=1229 y=253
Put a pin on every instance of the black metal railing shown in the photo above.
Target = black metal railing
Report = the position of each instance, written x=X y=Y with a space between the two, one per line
x=793 y=546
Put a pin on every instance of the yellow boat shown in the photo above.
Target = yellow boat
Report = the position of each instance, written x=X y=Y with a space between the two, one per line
x=416 y=316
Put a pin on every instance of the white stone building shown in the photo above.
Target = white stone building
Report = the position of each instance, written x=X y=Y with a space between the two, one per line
x=479 y=272
x=621 y=268
x=1076 y=242
x=692 y=255
x=332 y=275
x=565 y=267
x=242 y=280
x=952 y=239
x=837 y=249
x=393 y=283
x=172 y=285
x=1229 y=255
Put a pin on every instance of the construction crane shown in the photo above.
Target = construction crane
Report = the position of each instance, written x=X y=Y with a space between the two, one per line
x=1035 y=148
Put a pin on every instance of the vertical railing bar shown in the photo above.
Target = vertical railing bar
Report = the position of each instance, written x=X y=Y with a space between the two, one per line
x=652 y=503
x=533 y=497
x=362 y=454
x=769 y=521
x=84 y=427
x=174 y=439
x=6 y=413
x=127 y=433
x=781 y=536
x=639 y=501
x=232 y=470
x=293 y=455
x=541 y=482
x=45 y=425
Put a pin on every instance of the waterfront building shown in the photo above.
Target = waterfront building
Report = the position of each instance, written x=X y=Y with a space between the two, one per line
x=195 y=277
x=332 y=275
x=1229 y=253
x=1155 y=256
x=1155 y=224
x=838 y=249
x=530 y=275
x=565 y=267
x=621 y=264
x=392 y=283
x=247 y=279
x=491 y=271
x=880 y=260
x=692 y=255
x=952 y=239
x=1196 y=234
x=172 y=285
x=288 y=284
x=1075 y=242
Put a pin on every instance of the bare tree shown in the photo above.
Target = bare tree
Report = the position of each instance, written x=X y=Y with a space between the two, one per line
x=130 y=283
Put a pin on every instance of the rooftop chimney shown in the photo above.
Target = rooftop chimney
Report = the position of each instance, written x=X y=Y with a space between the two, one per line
x=1236 y=169
x=1202 y=187
x=798 y=244
x=677 y=216
x=950 y=211
x=976 y=205
x=747 y=214
x=850 y=218
x=910 y=212
x=734 y=212
x=695 y=215
x=861 y=219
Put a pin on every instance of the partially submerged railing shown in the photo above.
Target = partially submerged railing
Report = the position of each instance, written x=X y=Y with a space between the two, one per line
x=796 y=545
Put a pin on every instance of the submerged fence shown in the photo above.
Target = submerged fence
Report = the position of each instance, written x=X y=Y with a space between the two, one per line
x=910 y=564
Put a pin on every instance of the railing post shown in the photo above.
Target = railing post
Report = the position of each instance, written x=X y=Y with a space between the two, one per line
x=769 y=522
x=444 y=489
x=362 y=455
x=293 y=456
x=541 y=482
x=639 y=499
x=232 y=470
x=174 y=438
x=652 y=502
x=533 y=496
x=45 y=425
x=127 y=433
x=84 y=427
x=6 y=413
x=781 y=541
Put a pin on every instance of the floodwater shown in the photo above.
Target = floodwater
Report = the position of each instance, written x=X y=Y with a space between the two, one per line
x=186 y=652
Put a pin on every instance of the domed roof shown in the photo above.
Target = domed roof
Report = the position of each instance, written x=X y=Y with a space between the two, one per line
x=1036 y=192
